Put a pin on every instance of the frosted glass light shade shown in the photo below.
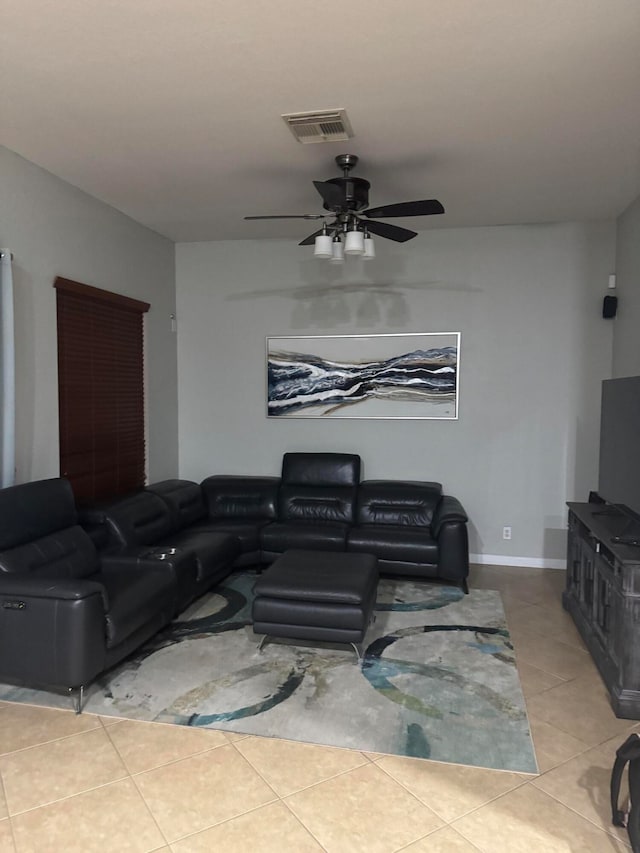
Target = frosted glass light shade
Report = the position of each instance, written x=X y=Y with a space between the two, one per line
x=369 y=248
x=354 y=243
x=322 y=247
x=337 y=251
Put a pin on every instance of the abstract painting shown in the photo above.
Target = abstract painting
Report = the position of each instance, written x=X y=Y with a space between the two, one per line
x=364 y=376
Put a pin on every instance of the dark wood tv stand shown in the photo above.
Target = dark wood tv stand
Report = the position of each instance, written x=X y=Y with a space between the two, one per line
x=603 y=597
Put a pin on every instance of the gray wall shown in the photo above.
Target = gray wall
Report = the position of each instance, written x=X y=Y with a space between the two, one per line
x=626 y=346
x=534 y=349
x=53 y=229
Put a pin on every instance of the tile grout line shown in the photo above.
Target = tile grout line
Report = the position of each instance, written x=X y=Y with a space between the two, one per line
x=136 y=786
x=151 y=814
x=434 y=832
x=521 y=784
x=164 y=763
x=4 y=794
x=133 y=776
x=50 y=740
x=216 y=823
x=303 y=825
x=583 y=816
x=70 y=796
x=313 y=784
x=550 y=796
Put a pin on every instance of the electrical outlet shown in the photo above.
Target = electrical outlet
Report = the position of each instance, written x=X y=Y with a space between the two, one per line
x=506 y=533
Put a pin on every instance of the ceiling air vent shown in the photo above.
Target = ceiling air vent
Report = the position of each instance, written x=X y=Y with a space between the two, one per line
x=323 y=126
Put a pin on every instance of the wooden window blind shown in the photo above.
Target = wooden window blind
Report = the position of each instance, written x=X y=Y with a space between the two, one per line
x=100 y=391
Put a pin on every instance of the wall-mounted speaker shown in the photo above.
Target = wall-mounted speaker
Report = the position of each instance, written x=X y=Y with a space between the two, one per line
x=609 y=307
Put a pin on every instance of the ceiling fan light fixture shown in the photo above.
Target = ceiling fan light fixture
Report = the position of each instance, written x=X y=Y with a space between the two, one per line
x=354 y=243
x=323 y=247
x=337 y=251
x=369 y=248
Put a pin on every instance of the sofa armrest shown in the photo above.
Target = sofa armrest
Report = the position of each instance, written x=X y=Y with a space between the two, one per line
x=449 y=529
x=52 y=631
x=181 y=566
x=132 y=558
x=449 y=509
x=73 y=589
x=149 y=559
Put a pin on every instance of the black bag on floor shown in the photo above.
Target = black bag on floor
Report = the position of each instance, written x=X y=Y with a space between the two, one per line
x=629 y=751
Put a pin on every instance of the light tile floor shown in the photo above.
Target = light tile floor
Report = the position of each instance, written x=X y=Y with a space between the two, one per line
x=86 y=783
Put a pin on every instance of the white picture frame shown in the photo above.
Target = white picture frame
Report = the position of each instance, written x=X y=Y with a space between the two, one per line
x=407 y=376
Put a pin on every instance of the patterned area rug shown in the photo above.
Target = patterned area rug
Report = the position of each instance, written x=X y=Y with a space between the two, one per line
x=438 y=679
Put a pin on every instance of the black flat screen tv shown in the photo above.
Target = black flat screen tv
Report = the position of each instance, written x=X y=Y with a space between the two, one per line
x=619 y=476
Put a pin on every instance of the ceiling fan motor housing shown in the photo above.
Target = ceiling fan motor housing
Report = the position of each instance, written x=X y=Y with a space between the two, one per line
x=355 y=192
x=346 y=197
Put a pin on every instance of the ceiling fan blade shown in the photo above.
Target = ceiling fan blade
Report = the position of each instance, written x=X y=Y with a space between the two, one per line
x=391 y=232
x=427 y=207
x=310 y=240
x=331 y=194
x=292 y=216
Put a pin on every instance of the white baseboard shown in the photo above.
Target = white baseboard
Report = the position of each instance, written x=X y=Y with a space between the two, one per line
x=522 y=562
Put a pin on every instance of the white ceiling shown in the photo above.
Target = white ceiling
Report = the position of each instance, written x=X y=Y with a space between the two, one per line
x=169 y=110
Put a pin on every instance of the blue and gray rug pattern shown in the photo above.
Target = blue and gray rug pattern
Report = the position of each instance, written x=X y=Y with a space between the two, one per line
x=438 y=678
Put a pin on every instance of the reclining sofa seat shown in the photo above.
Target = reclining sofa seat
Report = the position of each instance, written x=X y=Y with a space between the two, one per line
x=145 y=525
x=316 y=503
x=412 y=528
x=240 y=506
x=67 y=614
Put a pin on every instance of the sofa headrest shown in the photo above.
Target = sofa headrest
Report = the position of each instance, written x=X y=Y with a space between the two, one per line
x=183 y=497
x=397 y=502
x=238 y=496
x=140 y=519
x=33 y=510
x=321 y=469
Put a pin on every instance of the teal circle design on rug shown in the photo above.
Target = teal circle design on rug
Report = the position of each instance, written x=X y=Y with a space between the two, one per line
x=442 y=598
x=284 y=690
x=213 y=623
x=181 y=631
x=380 y=673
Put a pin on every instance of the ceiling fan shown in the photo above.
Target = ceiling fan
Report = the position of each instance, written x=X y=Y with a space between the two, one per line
x=347 y=200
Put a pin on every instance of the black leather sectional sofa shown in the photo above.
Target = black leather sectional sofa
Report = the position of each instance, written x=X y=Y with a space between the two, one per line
x=320 y=503
x=79 y=592
x=69 y=611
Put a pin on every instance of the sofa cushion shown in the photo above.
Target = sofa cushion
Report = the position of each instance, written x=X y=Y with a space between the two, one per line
x=134 y=599
x=213 y=551
x=246 y=532
x=310 y=576
x=33 y=510
x=396 y=543
x=384 y=502
x=66 y=554
x=279 y=537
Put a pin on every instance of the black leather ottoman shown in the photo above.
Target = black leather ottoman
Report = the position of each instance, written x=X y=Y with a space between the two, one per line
x=317 y=595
